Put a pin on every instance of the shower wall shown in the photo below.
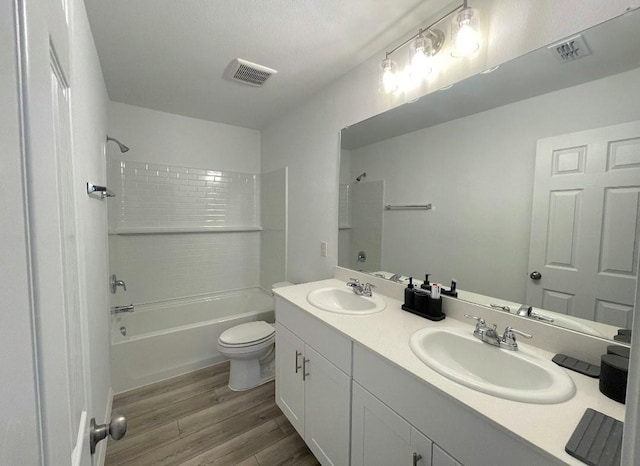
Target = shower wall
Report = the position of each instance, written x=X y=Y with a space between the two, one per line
x=273 y=238
x=178 y=231
x=186 y=217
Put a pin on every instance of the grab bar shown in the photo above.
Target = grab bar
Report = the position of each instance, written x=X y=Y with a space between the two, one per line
x=408 y=207
x=120 y=309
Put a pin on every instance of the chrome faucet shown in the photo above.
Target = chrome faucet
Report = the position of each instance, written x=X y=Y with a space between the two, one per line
x=490 y=334
x=527 y=311
x=485 y=333
x=360 y=289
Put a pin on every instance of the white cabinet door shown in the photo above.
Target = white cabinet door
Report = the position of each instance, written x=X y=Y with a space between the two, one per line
x=441 y=458
x=380 y=437
x=289 y=383
x=327 y=402
x=421 y=447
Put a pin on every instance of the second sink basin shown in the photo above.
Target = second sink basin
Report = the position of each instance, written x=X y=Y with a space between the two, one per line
x=345 y=301
x=513 y=375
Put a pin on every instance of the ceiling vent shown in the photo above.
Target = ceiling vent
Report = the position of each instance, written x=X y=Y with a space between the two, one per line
x=570 y=49
x=248 y=73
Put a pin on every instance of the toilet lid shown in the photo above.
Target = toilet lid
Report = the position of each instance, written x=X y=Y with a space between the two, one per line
x=247 y=333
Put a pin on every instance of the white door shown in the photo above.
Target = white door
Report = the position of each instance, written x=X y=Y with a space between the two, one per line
x=59 y=319
x=586 y=224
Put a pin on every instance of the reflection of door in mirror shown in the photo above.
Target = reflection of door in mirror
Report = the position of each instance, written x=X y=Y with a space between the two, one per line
x=360 y=220
x=585 y=224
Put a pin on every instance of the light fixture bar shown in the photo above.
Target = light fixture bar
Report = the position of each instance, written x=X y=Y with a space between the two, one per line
x=423 y=30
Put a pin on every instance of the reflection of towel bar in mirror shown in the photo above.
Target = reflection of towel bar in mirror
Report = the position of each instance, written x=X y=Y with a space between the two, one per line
x=102 y=191
x=408 y=207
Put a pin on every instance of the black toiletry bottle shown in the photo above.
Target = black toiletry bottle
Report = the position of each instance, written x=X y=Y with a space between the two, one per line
x=426 y=285
x=409 y=294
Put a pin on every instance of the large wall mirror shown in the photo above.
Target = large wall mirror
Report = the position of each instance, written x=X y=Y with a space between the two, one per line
x=523 y=184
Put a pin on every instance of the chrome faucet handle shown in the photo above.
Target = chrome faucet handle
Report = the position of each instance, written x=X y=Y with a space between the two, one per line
x=480 y=320
x=508 y=340
x=366 y=289
x=115 y=283
x=500 y=307
x=353 y=282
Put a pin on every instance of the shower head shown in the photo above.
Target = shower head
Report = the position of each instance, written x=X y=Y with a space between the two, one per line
x=122 y=147
x=364 y=175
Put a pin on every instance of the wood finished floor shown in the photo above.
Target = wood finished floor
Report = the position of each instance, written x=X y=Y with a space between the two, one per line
x=195 y=419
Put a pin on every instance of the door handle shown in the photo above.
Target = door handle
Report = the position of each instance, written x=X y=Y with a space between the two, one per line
x=535 y=275
x=116 y=429
x=305 y=374
x=298 y=367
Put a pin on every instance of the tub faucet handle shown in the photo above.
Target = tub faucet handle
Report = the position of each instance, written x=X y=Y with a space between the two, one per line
x=115 y=283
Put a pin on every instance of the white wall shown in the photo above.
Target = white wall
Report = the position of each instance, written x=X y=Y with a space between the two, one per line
x=89 y=125
x=307 y=138
x=159 y=137
x=478 y=173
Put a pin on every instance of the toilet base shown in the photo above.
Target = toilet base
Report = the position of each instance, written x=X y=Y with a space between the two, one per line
x=245 y=374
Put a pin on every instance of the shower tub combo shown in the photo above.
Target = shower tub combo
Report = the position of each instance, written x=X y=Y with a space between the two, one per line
x=169 y=338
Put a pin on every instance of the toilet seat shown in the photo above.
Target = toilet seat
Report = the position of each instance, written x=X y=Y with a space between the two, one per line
x=247 y=335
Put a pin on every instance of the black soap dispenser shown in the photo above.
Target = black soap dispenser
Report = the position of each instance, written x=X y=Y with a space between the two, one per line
x=410 y=294
x=426 y=285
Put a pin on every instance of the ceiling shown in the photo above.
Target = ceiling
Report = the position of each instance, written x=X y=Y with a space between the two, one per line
x=171 y=55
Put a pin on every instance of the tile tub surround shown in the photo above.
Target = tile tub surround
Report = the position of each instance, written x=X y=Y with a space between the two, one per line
x=387 y=335
x=156 y=196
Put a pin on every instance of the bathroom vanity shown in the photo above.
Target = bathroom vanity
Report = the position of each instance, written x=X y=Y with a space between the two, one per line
x=357 y=394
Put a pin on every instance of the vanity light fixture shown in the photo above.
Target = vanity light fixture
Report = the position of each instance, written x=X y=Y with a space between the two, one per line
x=464 y=32
x=426 y=44
x=425 y=47
x=389 y=78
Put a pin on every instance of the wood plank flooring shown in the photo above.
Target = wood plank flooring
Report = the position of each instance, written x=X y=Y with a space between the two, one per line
x=195 y=420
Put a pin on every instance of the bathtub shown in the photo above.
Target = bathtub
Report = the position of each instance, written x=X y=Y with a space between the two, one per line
x=169 y=338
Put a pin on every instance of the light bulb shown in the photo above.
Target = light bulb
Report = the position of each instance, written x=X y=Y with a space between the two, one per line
x=464 y=31
x=389 y=78
x=421 y=64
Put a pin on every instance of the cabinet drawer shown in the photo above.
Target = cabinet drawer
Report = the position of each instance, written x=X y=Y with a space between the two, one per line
x=325 y=340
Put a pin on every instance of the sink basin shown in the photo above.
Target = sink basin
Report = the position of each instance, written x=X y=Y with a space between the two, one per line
x=345 y=301
x=512 y=375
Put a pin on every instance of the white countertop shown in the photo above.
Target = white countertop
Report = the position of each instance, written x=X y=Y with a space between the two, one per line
x=387 y=334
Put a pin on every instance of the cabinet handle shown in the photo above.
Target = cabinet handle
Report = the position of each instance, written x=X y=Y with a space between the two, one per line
x=305 y=374
x=416 y=457
x=298 y=367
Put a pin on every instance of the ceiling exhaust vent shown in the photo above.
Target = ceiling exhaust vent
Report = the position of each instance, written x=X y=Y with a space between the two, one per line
x=570 y=49
x=248 y=73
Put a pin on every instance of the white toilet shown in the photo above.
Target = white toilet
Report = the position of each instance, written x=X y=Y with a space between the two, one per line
x=251 y=349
